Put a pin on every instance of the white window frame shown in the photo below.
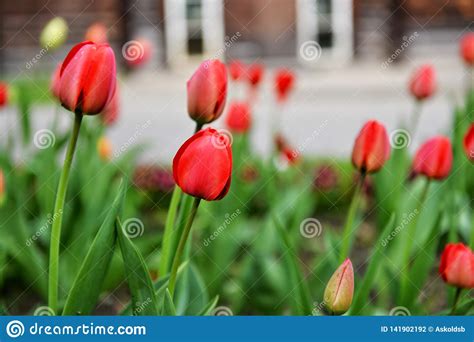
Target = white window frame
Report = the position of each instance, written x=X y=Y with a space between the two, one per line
x=176 y=31
x=341 y=52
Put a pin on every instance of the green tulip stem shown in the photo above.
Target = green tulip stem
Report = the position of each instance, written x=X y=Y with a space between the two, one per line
x=457 y=296
x=58 y=215
x=182 y=244
x=169 y=224
x=349 y=229
x=410 y=238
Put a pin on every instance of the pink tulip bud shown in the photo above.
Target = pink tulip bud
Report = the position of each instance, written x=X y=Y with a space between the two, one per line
x=423 y=82
x=207 y=91
x=371 y=148
x=340 y=290
x=434 y=159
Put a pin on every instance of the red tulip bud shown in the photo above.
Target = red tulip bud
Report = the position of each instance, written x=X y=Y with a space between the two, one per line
x=55 y=81
x=423 y=82
x=340 y=290
x=202 y=166
x=284 y=81
x=207 y=91
x=96 y=33
x=371 y=148
x=3 y=94
x=255 y=74
x=236 y=70
x=457 y=265
x=239 y=118
x=467 y=48
x=88 y=78
x=434 y=158
x=469 y=143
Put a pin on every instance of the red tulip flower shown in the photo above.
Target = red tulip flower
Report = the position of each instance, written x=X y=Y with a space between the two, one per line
x=469 y=143
x=96 y=33
x=423 y=82
x=3 y=94
x=284 y=81
x=55 y=81
x=88 y=78
x=239 y=118
x=457 y=265
x=236 y=70
x=202 y=166
x=371 y=148
x=255 y=74
x=467 y=48
x=434 y=158
x=207 y=91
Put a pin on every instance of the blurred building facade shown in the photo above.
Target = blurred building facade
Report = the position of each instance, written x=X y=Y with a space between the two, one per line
x=184 y=31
